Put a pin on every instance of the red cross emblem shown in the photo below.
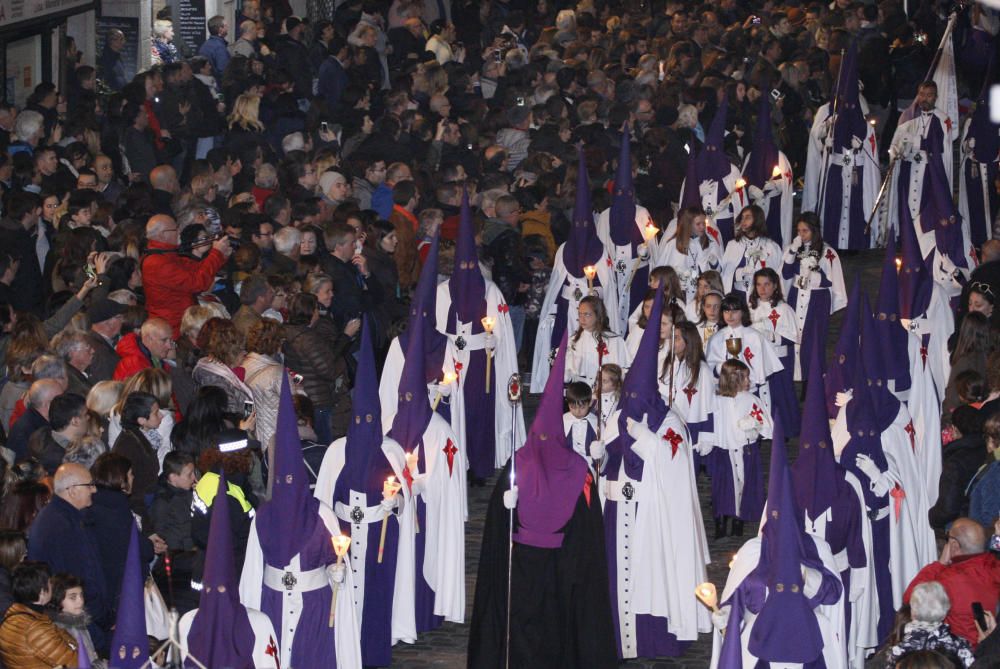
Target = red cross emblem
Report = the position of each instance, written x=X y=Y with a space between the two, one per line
x=773 y=317
x=502 y=308
x=757 y=414
x=763 y=263
x=829 y=255
x=272 y=650
x=608 y=260
x=690 y=392
x=458 y=370
x=913 y=435
x=898 y=495
x=674 y=439
x=715 y=233
x=450 y=451
x=923 y=354
x=871 y=140
x=586 y=488
x=602 y=349
x=947 y=123
x=408 y=477
x=788 y=175
x=748 y=354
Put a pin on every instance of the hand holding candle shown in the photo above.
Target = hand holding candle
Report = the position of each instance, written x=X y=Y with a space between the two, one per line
x=590 y=271
x=488 y=323
x=706 y=594
x=449 y=378
x=389 y=490
x=340 y=545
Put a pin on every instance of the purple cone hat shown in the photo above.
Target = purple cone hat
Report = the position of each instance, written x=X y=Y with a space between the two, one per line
x=467 y=285
x=815 y=470
x=424 y=305
x=414 y=413
x=549 y=475
x=892 y=338
x=915 y=282
x=129 y=643
x=621 y=220
x=839 y=375
x=583 y=247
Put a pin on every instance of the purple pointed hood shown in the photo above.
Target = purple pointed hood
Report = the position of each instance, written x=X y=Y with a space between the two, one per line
x=221 y=634
x=549 y=474
x=892 y=338
x=424 y=305
x=884 y=403
x=413 y=413
x=583 y=247
x=764 y=156
x=815 y=470
x=937 y=206
x=691 y=195
x=467 y=285
x=786 y=629
x=862 y=423
x=712 y=160
x=850 y=119
x=981 y=129
x=287 y=521
x=915 y=282
x=839 y=375
x=129 y=643
x=640 y=394
x=364 y=434
x=621 y=219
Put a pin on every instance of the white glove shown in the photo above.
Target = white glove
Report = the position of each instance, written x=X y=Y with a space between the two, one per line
x=510 y=498
x=755 y=193
x=868 y=467
x=389 y=504
x=490 y=341
x=843 y=398
x=443 y=389
x=796 y=243
x=336 y=573
x=643 y=250
x=720 y=618
x=597 y=449
x=634 y=427
x=713 y=259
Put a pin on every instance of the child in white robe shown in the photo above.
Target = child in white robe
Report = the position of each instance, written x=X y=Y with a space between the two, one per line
x=593 y=344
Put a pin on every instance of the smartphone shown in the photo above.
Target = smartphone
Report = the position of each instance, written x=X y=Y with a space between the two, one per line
x=498 y=56
x=979 y=614
x=247 y=409
x=776 y=94
x=324 y=126
x=297 y=378
x=90 y=272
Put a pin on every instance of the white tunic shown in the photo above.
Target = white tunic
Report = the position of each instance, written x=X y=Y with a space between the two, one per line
x=739 y=421
x=625 y=262
x=777 y=192
x=977 y=187
x=388 y=385
x=690 y=265
x=582 y=360
x=743 y=257
x=757 y=353
x=776 y=324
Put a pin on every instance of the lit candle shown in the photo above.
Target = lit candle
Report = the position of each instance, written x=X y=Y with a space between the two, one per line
x=389 y=490
x=732 y=561
x=650 y=231
x=707 y=595
x=340 y=543
x=776 y=172
x=449 y=378
x=899 y=264
x=741 y=184
x=488 y=323
x=590 y=271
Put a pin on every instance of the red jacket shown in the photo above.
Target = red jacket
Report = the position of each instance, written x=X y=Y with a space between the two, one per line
x=968 y=579
x=133 y=357
x=171 y=281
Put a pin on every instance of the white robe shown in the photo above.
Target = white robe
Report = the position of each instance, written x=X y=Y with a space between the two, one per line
x=829 y=616
x=625 y=264
x=347 y=627
x=759 y=253
x=692 y=402
x=758 y=354
x=689 y=266
x=714 y=200
x=265 y=640
x=562 y=283
x=777 y=192
x=388 y=385
x=504 y=365
x=404 y=623
x=582 y=359
x=668 y=555
x=982 y=186
x=924 y=405
x=730 y=414
x=777 y=325
x=815 y=157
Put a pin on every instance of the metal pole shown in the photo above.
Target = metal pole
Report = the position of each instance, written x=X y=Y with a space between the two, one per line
x=881 y=196
x=514 y=395
x=826 y=151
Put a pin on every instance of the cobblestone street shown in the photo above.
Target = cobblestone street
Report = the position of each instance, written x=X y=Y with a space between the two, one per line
x=446 y=647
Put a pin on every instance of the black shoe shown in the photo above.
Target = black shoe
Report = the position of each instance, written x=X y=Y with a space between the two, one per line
x=737 y=528
x=720 y=526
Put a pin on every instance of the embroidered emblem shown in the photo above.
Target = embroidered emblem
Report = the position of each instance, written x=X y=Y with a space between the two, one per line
x=674 y=439
x=757 y=414
x=628 y=490
x=289 y=581
x=357 y=515
x=773 y=317
x=690 y=391
x=460 y=343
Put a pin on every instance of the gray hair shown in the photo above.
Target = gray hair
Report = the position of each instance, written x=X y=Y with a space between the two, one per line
x=41 y=393
x=929 y=602
x=293 y=141
x=123 y=296
x=566 y=20
x=27 y=125
x=267 y=176
x=194 y=317
x=68 y=341
x=86 y=451
x=48 y=366
x=287 y=239
x=161 y=26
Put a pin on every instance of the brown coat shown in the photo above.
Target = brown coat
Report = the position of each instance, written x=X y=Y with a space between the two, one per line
x=29 y=640
x=406 y=256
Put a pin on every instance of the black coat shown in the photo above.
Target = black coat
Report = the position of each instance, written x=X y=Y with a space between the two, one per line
x=111 y=518
x=293 y=56
x=352 y=295
x=960 y=461
x=145 y=467
x=102 y=367
x=21 y=431
x=28 y=290
x=43 y=447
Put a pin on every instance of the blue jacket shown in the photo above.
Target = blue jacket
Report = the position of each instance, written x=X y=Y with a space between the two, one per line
x=216 y=51
x=332 y=82
x=22 y=430
x=984 y=500
x=61 y=537
x=382 y=201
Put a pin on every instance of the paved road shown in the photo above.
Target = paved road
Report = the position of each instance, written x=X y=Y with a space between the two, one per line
x=446 y=646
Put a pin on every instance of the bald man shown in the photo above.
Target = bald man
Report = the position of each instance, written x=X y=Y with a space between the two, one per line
x=61 y=538
x=968 y=572
x=171 y=281
x=35 y=417
x=163 y=179
x=154 y=344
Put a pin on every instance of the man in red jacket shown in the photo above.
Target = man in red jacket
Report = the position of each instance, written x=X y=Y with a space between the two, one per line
x=968 y=572
x=170 y=280
x=148 y=348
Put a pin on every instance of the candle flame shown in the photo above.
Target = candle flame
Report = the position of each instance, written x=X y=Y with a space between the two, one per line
x=899 y=264
x=590 y=271
x=740 y=183
x=705 y=592
x=341 y=543
x=732 y=561
x=650 y=231
x=488 y=322
x=449 y=378
x=872 y=122
x=776 y=172
x=391 y=480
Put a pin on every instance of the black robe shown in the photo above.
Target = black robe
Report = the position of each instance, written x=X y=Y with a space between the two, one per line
x=562 y=603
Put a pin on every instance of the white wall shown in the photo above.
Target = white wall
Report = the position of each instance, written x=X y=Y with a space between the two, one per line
x=82 y=28
x=24 y=65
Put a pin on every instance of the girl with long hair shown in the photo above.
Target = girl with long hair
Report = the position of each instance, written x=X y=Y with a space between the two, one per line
x=774 y=319
x=686 y=382
x=708 y=281
x=692 y=250
x=593 y=343
x=750 y=251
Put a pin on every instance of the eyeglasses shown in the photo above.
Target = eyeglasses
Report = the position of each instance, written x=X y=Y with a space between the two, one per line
x=84 y=485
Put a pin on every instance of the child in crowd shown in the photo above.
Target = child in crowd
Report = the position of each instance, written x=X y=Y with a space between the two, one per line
x=580 y=424
x=67 y=609
x=593 y=343
x=611 y=390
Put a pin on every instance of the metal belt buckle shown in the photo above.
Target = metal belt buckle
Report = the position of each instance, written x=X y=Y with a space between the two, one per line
x=577 y=294
x=357 y=515
x=289 y=581
x=460 y=343
x=872 y=514
x=628 y=491
x=620 y=266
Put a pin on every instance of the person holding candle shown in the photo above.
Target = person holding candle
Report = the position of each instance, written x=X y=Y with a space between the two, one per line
x=462 y=303
x=362 y=477
x=686 y=382
x=222 y=632
x=610 y=392
x=814 y=279
x=289 y=572
x=691 y=251
x=709 y=320
x=750 y=251
x=593 y=344
x=654 y=535
x=630 y=237
x=435 y=475
x=773 y=318
x=769 y=177
x=569 y=282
